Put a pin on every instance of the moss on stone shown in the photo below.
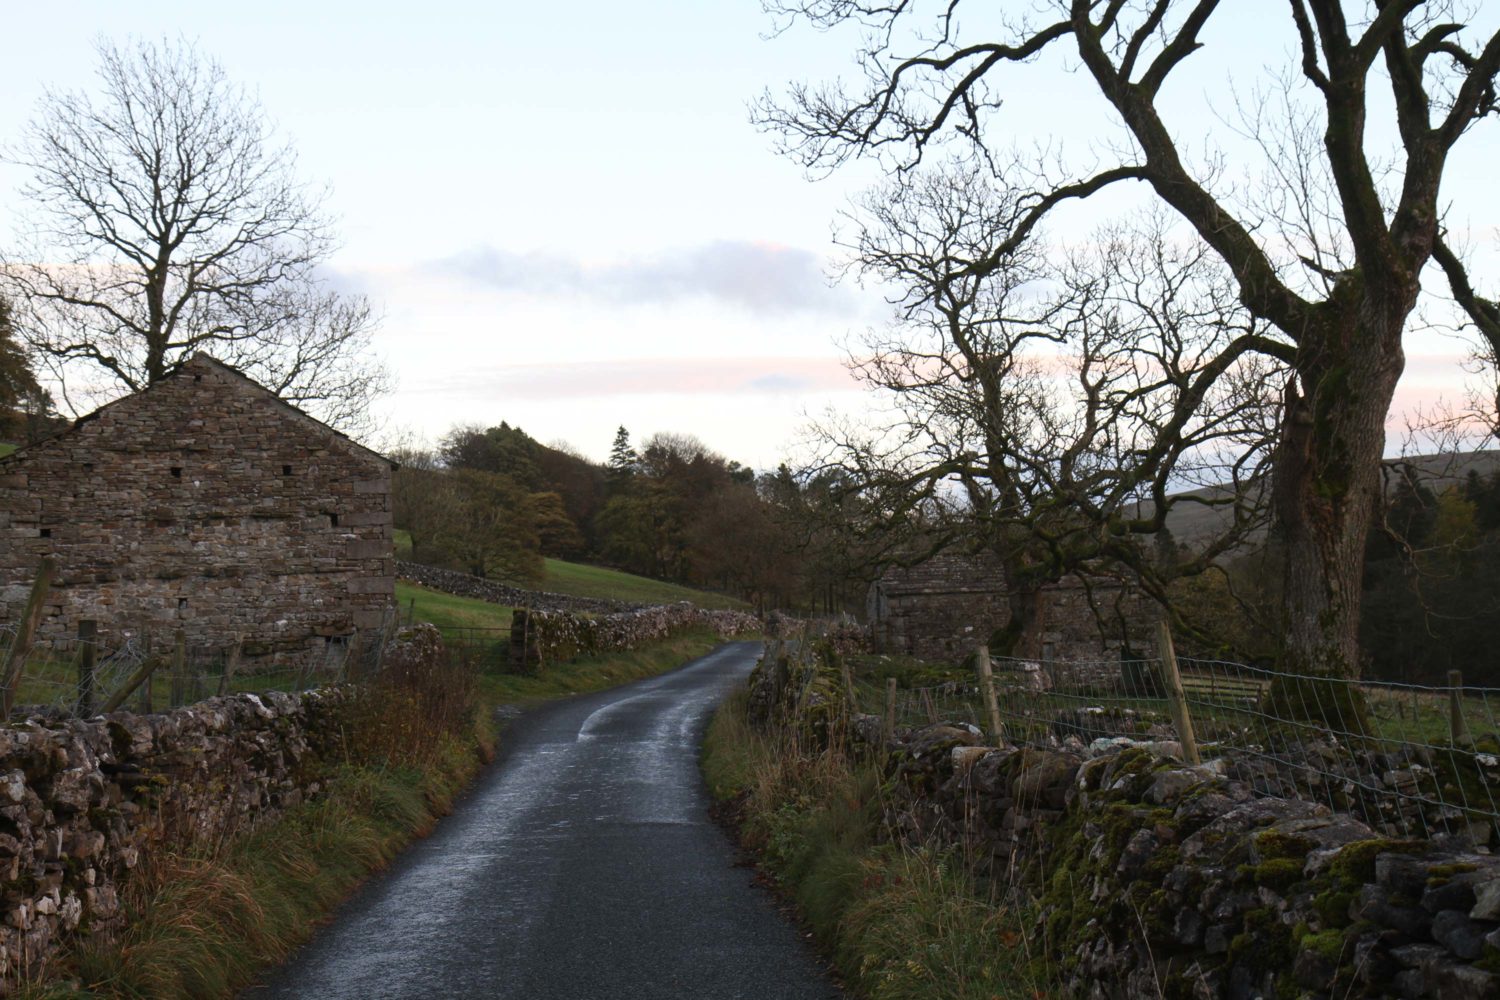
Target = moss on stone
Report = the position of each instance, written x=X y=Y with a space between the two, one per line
x=1355 y=863
x=1332 y=906
x=1278 y=874
x=1329 y=943
x=1439 y=875
x=1161 y=862
x=1277 y=844
x=1264 y=945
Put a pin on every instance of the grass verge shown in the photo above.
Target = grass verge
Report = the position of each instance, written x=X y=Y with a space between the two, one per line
x=898 y=924
x=203 y=922
x=594 y=673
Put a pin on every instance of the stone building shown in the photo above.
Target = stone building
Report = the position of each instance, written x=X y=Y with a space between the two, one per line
x=203 y=503
x=944 y=606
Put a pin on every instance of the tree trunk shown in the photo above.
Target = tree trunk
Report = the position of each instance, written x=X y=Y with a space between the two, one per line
x=1327 y=481
x=1021 y=637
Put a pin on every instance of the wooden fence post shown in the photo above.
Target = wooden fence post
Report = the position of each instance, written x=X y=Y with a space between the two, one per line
x=1458 y=727
x=141 y=678
x=351 y=656
x=179 y=668
x=389 y=627
x=987 y=685
x=231 y=665
x=849 y=692
x=890 y=708
x=148 y=696
x=31 y=618
x=88 y=633
x=1176 y=696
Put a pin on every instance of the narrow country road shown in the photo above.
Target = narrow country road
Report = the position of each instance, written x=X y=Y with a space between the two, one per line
x=583 y=864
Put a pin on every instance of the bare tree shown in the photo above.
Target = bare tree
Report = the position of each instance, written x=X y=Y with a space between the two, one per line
x=166 y=219
x=1066 y=402
x=1340 y=324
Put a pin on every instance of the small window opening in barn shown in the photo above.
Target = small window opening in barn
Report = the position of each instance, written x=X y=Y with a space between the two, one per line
x=181 y=605
x=197 y=378
x=46 y=532
x=286 y=470
x=176 y=472
x=333 y=520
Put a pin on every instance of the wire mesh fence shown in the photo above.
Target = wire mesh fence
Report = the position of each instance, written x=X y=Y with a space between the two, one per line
x=486 y=650
x=141 y=671
x=1410 y=760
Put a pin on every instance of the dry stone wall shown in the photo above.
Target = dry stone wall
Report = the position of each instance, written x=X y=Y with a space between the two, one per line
x=206 y=504
x=1160 y=879
x=84 y=802
x=557 y=636
x=464 y=585
x=1146 y=877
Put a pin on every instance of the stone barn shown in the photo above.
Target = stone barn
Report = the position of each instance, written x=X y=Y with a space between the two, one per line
x=203 y=503
x=943 y=607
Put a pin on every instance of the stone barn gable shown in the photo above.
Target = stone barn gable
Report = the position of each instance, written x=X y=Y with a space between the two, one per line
x=203 y=503
x=943 y=607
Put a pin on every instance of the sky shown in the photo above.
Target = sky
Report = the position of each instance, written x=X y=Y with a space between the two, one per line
x=563 y=211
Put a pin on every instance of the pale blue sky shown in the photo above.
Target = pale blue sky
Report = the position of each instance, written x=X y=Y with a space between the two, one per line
x=563 y=210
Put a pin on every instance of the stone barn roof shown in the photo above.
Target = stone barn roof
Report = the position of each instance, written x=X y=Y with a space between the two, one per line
x=198 y=363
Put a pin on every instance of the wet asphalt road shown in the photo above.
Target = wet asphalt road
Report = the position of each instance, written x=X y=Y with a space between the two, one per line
x=583 y=864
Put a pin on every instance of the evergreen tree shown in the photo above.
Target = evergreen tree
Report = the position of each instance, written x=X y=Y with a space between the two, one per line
x=622 y=457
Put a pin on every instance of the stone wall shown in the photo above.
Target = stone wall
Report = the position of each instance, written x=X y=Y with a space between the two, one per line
x=557 y=636
x=1159 y=879
x=942 y=608
x=1145 y=877
x=83 y=802
x=464 y=585
x=206 y=504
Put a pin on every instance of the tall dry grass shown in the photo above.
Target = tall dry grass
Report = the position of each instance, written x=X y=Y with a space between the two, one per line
x=203 y=917
x=899 y=924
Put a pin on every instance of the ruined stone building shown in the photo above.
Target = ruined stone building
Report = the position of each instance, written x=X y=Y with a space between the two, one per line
x=943 y=607
x=203 y=503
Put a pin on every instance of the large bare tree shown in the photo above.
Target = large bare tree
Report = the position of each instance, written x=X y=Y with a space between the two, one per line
x=164 y=217
x=1340 y=308
x=1063 y=403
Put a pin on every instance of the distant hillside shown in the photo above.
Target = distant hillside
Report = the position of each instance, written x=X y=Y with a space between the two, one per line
x=1194 y=522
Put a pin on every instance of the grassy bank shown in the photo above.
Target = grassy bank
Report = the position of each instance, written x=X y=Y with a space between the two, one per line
x=582 y=580
x=448 y=611
x=899 y=925
x=204 y=922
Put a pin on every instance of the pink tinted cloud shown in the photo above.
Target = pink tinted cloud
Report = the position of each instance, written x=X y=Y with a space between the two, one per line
x=655 y=376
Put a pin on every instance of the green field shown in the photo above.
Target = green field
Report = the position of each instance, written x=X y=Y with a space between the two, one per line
x=579 y=580
x=448 y=611
x=6 y=449
x=611 y=584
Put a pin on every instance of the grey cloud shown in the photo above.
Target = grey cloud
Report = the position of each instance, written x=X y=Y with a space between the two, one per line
x=778 y=383
x=754 y=277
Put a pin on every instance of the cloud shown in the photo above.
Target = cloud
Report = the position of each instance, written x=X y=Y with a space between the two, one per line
x=662 y=376
x=759 y=278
